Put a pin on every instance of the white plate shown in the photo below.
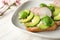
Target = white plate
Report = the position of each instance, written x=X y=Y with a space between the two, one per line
x=51 y=34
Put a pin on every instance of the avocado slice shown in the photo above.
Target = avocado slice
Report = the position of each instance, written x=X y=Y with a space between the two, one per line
x=42 y=26
x=28 y=18
x=45 y=23
x=51 y=7
x=57 y=11
x=27 y=11
x=23 y=14
x=48 y=21
x=57 y=17
x=43 y=5
x=34 y=22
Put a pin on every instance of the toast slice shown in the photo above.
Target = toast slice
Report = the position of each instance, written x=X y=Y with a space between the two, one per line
x=36 y=29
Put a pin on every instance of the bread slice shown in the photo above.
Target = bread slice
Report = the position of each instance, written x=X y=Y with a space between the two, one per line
x=36 y=29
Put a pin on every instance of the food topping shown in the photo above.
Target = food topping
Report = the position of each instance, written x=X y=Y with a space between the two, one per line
x=41 y=11
x=48 y=21
x=33 y=22
x=23 y=14
x=43 y=18
x=29 y=18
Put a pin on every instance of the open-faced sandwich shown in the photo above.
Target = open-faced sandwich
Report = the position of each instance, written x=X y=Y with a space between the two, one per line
x=42 y=18
x=56 y=13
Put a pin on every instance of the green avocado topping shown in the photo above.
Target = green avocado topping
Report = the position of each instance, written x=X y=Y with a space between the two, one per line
x=57 y=17
x=45 y=23
x=57 y=11
x=34 y=21
x=43 y=5
x=48 y=21
x=51 y=7
x=23 y=14
x=42 y=26
x=29 y=18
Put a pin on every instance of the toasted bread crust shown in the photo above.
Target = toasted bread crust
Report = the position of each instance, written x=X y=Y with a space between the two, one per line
x=36 y=29
x=57 y=22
